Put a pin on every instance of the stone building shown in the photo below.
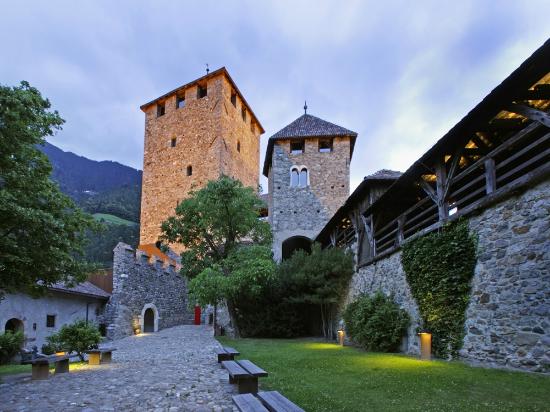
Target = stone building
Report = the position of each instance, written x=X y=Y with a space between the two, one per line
x=307 y=166
x=194 y=134
x=41 y=317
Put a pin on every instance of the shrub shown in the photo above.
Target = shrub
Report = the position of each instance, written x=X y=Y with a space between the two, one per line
x=77 y=337
x=54 y=344
x=376 y=322
x=10 y=344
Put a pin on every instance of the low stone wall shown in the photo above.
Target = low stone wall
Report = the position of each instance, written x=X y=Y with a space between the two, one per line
x=139 y=284
x=508 y=318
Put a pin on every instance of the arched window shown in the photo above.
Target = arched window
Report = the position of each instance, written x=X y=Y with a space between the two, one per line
x=294 y=177
x=303 y=177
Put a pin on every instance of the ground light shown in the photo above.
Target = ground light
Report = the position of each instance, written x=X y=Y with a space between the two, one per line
x=425 y=345
x=341 y=336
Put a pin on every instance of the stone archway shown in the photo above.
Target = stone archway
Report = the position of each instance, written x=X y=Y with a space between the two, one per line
x=293 y=244
x=14 y=325
x=149 y=319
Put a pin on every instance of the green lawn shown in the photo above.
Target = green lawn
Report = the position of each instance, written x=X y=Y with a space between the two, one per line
x=113 y=219
x=326 y=377
x=12 y=369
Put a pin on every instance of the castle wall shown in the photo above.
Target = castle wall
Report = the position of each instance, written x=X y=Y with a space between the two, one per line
x=508 y=317
x=137 y=284
x=303 y=211
x=206 y=131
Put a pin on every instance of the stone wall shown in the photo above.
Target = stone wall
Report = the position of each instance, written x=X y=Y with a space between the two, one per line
x=207 y=131
x=139 y=284
x=508 y=318
x=303 y=211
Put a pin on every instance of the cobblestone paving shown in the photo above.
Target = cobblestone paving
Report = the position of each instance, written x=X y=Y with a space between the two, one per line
x=172 y=370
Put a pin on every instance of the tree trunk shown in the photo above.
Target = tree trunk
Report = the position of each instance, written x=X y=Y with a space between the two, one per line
x=215 y=320
x=233 y=317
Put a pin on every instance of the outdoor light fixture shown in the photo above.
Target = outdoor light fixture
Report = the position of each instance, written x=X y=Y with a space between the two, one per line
x=341 y=336
x=425 y=345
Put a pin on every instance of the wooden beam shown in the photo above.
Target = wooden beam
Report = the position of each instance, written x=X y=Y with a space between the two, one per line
x=400 y=226
x=530 y=113
x=490 y=176
x=541 y=92
x=428 y=189
x=441 y=183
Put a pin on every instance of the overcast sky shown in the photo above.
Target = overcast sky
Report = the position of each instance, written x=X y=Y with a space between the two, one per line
x=400 y=73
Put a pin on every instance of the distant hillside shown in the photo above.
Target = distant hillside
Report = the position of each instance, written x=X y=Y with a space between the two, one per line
x=81 y=178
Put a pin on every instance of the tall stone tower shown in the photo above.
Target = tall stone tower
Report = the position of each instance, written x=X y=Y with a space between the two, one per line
x=194 y=134
x=307 y=166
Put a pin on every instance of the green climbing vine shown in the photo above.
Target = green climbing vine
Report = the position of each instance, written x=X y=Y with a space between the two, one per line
x=439 y=268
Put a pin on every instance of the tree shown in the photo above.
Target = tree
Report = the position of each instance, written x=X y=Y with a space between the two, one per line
x=214 y=224
x=78 y=337
x=42 y=231
x=319 y=278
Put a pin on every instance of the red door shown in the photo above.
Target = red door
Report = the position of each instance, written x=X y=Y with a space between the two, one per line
x=197 y=315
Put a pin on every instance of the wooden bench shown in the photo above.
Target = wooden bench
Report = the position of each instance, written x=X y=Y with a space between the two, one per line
x=226 y=353
x=99 y=356
x=245 y=374
x=41 y=366
x=271 y=401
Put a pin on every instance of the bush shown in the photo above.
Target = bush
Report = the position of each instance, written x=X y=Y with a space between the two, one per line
x=376 y=322
x=10 y=344
x=77 y=337
x=54 y=344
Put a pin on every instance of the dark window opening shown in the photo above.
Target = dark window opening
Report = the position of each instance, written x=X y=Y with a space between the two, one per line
x=202 y=92
x=189 y=170
x=252 y=127
x=180 y=102
x=243 y=114
x=173 y=142
x=161 y=109
x=234 y=99
x=238 y=146
x=303 y=177
x=325 y=145
x=50 y=321
x=297 y=147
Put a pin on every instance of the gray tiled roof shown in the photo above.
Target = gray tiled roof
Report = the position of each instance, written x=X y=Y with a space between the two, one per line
x=308 y=125
x=384 y=174
x=85 y=289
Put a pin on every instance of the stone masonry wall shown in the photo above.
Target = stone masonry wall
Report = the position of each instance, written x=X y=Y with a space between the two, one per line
x=303 y=211
x=206 y=131
x=137 y=283
x=508 y=318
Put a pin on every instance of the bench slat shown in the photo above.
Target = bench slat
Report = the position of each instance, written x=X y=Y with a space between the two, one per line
x=252 y=369
x=248 y=403
x=275 y=402
x=234 y=369
x=231 y=350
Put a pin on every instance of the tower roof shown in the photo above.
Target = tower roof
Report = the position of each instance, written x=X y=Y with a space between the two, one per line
x=303 y=127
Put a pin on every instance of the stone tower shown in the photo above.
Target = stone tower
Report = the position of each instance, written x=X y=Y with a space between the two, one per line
x=194 y=134
x=307 y=166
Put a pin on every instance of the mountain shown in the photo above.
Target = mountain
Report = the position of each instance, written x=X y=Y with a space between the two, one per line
x=108 y=190
x=82 y=178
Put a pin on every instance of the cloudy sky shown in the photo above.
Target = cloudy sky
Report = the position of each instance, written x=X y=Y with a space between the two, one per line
x=400 y=73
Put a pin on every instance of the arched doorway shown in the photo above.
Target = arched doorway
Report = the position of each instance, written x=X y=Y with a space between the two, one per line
x=14 y=325
x=149 y=320
x=295 y=243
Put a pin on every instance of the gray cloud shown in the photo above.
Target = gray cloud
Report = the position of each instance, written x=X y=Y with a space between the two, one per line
x=399 y=73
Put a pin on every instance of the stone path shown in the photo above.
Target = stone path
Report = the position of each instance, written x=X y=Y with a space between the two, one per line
x=172 y=370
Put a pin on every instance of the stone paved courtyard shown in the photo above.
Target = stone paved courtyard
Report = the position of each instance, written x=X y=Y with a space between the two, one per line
x=172 y=370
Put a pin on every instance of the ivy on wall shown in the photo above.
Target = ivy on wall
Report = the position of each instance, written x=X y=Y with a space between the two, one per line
x=439 y=268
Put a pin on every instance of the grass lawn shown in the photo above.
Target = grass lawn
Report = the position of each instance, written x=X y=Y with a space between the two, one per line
x=326 y=377
x=113 y=219
x=16 y=368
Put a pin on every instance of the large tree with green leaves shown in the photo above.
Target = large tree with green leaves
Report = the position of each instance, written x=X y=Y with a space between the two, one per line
x=226 y=245
x=42 y=232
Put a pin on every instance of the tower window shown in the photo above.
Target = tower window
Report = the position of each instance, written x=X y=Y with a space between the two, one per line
x=252 y=127
x=303 y=177
x=294 y=177
x=161 y=109
x=297 y=147
x=180 y=102
x=189 y=170
x=202 y=91
x=234 y=98
x=325 y=145
x=238 y=146
x=243 y=113
x=50 y=321
x=173 y=142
